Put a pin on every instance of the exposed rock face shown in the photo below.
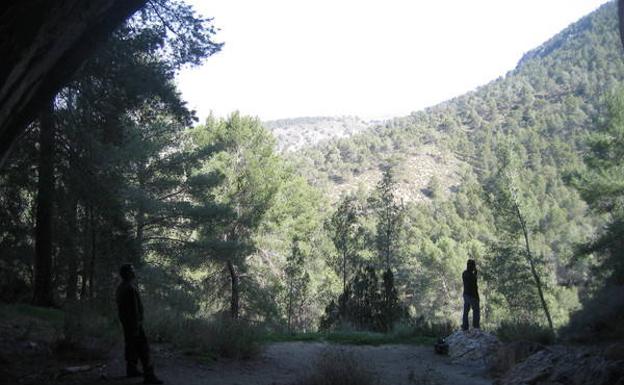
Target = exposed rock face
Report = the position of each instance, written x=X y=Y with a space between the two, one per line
x=562 y=365
x=474 y=347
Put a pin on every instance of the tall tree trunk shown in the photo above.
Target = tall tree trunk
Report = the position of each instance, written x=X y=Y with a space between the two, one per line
x=621 y=19
x=344 y=273
x=289 y=306
x=91 y=273
x=140 y=217
x=43 y=293
x=529 y=256
x=235 y=300
x=72 y=265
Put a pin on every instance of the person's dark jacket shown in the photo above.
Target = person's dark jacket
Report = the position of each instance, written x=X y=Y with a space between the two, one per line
x=470 y=283
x=130 y=307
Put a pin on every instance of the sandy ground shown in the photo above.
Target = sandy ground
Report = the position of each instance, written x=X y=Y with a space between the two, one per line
x=290 y=362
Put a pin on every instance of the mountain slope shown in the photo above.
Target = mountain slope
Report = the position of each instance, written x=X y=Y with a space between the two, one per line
x=554 y=93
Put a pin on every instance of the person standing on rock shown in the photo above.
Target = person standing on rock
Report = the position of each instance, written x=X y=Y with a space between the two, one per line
x=471 y=295
x=130 y=310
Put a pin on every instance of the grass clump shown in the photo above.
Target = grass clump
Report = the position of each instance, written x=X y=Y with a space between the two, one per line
x=337 y=367
x=510 y=331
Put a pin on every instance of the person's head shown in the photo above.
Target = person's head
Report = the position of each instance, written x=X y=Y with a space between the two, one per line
x=126 y=271
x=471 y=265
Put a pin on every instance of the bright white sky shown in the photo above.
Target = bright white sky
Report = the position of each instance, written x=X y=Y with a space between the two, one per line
x=370 y=58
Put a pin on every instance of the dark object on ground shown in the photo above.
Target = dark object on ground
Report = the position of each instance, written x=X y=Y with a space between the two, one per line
x=441 y=347
x=563 y=365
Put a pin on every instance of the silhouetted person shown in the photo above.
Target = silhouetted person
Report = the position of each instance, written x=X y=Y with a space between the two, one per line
x=471 y=295
x=131 y=316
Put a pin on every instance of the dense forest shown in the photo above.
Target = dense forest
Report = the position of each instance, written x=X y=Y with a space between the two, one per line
x=366 y=232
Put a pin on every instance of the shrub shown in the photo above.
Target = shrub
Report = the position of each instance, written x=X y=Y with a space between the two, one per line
x=422 y=327
x=220 y=336
x=337 y=367
x=367 y=304
x=509 y=331
x=600 y=319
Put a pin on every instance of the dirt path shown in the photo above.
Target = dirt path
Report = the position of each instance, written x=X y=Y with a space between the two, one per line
x=290 y=362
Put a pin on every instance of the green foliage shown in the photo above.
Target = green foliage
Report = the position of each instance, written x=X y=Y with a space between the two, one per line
x=390 y=215
x=390 y=308
x=346 y=233
x=601 y=187
x=366 y=304
x=297 y=284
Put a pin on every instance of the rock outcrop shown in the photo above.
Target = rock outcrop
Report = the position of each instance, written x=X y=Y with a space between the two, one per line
x=510 y=354
x=474 y=347
x=563 y=365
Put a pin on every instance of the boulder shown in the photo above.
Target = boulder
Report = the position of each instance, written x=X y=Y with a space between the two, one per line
x=474 y=347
